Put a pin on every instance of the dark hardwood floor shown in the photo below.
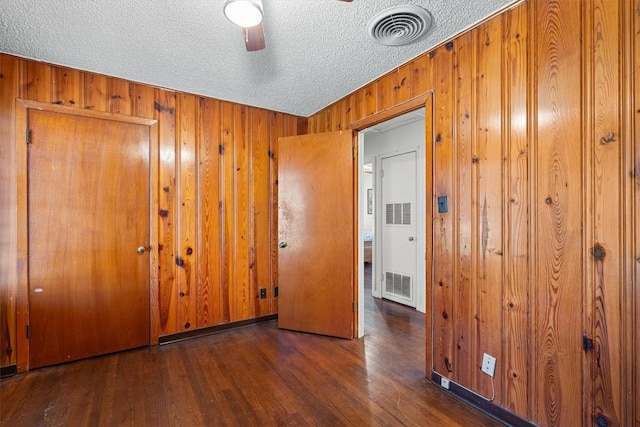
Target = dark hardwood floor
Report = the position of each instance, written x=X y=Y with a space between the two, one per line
x=252 y=376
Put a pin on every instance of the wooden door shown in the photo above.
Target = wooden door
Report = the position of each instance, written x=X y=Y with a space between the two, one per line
x=316 y=233
x=88 y=213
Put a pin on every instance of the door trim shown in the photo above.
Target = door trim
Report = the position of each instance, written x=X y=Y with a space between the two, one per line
x=22 y=237
x=412 y=104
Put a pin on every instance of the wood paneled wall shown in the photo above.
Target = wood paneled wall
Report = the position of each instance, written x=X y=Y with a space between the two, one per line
x=217 y=194
x=537 y=146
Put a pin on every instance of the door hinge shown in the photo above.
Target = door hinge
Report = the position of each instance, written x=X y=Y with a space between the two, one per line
x=355 y=306
x=28 y=331
x=179 y=261
x=381 y=173
x=28 y=136
x=353 y=151
x=382 y=277
x=275 y=291
x=220 y=149
x=587 y=343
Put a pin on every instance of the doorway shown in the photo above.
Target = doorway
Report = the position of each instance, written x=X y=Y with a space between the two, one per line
x=378 y=143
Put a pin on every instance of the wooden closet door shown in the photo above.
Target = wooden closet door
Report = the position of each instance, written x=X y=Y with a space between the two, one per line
x=88 y=213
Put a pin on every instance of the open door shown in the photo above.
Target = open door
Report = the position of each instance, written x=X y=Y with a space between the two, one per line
x=316 y=277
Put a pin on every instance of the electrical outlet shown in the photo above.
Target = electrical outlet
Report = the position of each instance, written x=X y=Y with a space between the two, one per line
x=263 y=293
x=444 y=382
x=488 y=364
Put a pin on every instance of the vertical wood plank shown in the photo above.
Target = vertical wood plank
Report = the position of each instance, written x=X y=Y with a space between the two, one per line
x=385 y=86
x=187 y=186
x=352 y=109
x=420 y=75
x=516 y=251
x=430 y=200
x=324 y=121
x=209 y=246
x=463 y=54
x=277 y=130
x=37 y=86
x=165 y=106
x=402 y=86
x=313 y=124
x=606 y=200
x=560 y=246
x=369 y=99
x=394 y=87
x=96 y=92
x=445 y=283
x=335 y=115
x=67 y=87
x=142 y=101
x=490 y=169
x=244 y=296
x=119 y=94
x=9 y=83
x=634 y=201
x=228 y=212
x=259 y=266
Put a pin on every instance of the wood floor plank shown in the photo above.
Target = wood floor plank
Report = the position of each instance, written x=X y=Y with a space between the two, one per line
x=257 y=375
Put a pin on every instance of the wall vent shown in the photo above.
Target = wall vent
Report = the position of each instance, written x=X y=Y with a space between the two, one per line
x=398 y=284
x=398 y=213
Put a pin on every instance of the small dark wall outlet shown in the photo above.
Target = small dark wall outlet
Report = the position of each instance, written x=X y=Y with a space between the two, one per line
x=263 y=293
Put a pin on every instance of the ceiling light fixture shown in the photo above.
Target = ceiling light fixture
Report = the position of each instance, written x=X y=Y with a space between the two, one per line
x=244 y=13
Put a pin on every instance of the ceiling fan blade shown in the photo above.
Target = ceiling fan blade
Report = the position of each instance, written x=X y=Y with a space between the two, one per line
x=254 y=38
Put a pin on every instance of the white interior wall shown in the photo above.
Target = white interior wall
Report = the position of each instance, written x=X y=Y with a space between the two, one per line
x=367 y=183
x=405 y=136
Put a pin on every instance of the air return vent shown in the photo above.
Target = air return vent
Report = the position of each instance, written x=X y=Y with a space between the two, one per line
x=398 y=213
x=399 y=25
x=397 y=284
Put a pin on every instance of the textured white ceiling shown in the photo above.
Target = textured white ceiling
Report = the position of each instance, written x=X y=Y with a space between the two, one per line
x=317 y=51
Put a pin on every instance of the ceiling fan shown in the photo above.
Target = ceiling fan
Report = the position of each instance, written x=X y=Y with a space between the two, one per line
x=248 y=14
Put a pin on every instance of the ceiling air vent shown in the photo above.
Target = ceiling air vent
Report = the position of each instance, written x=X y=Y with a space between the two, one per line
x=399 y=25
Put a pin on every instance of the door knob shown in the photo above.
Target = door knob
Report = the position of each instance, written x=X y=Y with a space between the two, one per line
x=141 y=250
x=282 y=245
x=411 y=239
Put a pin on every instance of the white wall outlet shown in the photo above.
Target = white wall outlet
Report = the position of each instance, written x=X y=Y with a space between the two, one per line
x=488 y=365
x=444 y=382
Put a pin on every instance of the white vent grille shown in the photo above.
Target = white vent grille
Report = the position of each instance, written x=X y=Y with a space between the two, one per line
x=406 y=213
x=398 y=213
x=398 y=284
x=389 y=211
x=399 y=25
